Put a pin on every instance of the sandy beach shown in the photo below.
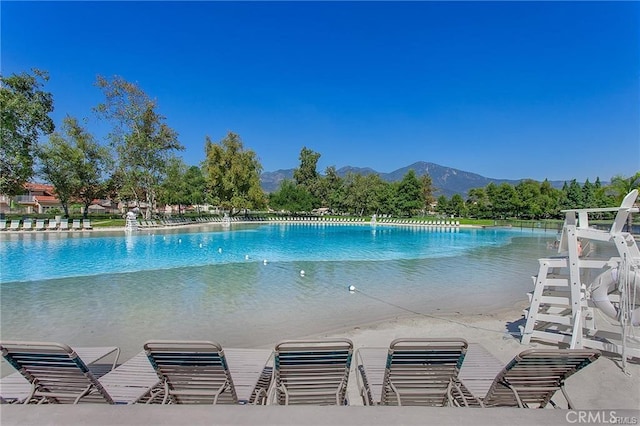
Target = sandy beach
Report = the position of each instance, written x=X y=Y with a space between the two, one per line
x=602 y=388
x=602 y=385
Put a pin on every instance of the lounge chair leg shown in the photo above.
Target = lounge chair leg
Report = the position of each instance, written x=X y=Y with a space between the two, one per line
x=566 y=396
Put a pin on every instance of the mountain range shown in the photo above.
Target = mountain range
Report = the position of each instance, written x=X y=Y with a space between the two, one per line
x=446 y=180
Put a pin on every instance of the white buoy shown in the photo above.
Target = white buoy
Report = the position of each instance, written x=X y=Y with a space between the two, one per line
x=200 y=245
x=302 y=273
x=179 y=240
x=246 y=257
x=264 y=261
x=220 y=250
x=352 y=288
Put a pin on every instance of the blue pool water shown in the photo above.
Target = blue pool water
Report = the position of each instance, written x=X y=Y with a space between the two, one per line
x=211 y=283
x=41 y=256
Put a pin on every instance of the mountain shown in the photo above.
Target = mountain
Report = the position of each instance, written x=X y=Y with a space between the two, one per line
x=270 y=181
x=446 y=180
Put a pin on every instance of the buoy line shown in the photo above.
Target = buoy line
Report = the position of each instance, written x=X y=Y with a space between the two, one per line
x=352 y=289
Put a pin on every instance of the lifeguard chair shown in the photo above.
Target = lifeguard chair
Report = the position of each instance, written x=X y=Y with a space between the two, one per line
x=570 y=288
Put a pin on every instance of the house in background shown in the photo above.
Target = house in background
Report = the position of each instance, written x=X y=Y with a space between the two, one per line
x=39 y=198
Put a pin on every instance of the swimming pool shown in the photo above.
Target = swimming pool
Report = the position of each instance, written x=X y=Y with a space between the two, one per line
x=212 y=283
x=40 y=256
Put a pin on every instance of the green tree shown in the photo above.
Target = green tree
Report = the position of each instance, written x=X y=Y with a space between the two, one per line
x=621 y=186
x=143 y=142
x=173 y=189
x=410 y=194
x=233 y=174
x=75 y=164
x=363 y=193
x=602 y=199
x=456 y=206
x=24 y=116
x=306 y=175
x=291 y=197
x=426 y=184
x=329 y=187
x=572 y=196
x=588 y=195
x=529 y=199
x=477 y=203
x=195 y=185
x=504 y=201
x=549 y=198
x=58 y=161
x=442 y=205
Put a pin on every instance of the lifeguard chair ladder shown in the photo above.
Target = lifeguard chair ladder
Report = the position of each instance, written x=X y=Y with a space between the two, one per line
x=560 y=310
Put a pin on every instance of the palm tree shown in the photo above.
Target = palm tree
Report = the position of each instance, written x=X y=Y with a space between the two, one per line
x=621 y=186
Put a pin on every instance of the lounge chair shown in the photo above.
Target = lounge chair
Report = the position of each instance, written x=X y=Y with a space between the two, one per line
x=532 y=378
x=53 y=225
x=27 y=225
x=57 y=374
x=39 y=225
x=64 y=225
x=201 y=372
x=312 y=372
x=86 y=224
x=413 y=371
x=76 y=225
x=16 y=388
x=15 y=225
x=3 y=224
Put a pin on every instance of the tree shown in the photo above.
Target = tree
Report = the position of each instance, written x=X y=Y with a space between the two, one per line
x=588 y=195
x=291 y=197
x=477 y=203
x=173 y=189
x=195 y=185
x=572 y=196
x=329 y=186
x=621 y=186
x=143 y=142
x=307 y=176
x=410 y=194
x=74 y=163
x=233 y=174
x=364 y=193
x=427 y=191
x=549 y=198
x=442 y=204
x=24 y=117
x=529 y=199
x=457 y=206
x=503 y=200
x=58 y=160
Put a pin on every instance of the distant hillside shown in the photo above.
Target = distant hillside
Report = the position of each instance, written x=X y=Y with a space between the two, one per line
x=270 y=181
x=446 y=180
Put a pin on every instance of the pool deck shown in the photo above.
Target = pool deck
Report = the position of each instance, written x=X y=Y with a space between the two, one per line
x=279 y=415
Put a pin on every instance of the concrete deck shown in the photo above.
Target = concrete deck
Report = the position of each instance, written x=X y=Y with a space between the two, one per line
x=96 y=414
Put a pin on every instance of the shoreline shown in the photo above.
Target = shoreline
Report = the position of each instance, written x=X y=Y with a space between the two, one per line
x=115 y=229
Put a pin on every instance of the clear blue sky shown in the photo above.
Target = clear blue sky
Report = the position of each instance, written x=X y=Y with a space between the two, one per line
x=506 y=89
